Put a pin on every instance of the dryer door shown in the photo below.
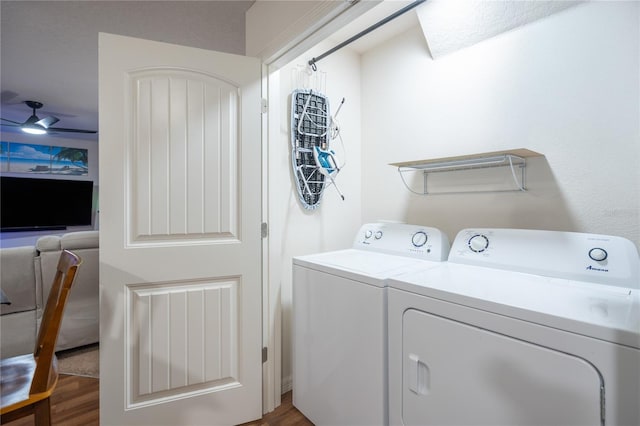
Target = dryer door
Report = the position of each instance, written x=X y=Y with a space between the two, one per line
x=455 y=374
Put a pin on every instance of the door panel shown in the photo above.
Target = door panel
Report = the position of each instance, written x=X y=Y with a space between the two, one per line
x=455 y=374
x=180 y=267
x=183 y=155
x=183 y=338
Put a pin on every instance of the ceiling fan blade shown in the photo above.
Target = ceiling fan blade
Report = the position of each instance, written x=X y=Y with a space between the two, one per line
x=10 y=121
x=47 y=121
x=60 y=129
x=37 y=125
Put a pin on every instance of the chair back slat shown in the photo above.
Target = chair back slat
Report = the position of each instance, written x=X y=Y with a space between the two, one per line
x=51 y=320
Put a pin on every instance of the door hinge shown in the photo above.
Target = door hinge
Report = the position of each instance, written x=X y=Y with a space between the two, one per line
x=264 y=355
x=264 y=230
x=265 y=106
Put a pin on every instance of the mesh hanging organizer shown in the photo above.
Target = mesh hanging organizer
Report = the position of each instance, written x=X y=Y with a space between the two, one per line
x=310 y=128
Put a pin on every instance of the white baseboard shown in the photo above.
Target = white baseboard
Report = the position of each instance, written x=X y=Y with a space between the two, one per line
x=287 y=384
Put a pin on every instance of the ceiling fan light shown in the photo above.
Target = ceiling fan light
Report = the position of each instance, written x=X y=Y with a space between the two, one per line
x=33 y=129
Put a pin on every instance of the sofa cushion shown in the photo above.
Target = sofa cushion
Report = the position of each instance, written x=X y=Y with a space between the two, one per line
x=79 y=240
x=48 y=243
x=18 y=279
x=80 y=324
x=18 y=333
x=27 y=274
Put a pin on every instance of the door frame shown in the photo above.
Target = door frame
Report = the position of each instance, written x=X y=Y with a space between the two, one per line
x=300 y=36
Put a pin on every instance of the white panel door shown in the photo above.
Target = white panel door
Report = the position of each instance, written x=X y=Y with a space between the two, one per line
x=180 y=244
x=458 y=374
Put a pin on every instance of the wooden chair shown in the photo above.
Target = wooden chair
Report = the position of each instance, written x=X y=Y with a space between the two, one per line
x=29 y=380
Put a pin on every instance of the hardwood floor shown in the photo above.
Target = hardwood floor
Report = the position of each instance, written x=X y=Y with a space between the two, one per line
x=75 y=402
x=286 y=414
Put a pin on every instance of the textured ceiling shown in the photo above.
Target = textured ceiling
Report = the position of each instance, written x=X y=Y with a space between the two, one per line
x=451 y=25
x=49 y=49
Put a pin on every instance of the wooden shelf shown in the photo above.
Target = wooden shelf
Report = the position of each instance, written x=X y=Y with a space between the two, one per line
x=465 y=161
x=511 y=158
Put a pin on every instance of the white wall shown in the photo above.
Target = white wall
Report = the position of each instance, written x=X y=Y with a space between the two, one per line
x=566 y=86
x=17 y=239
x=294 y=230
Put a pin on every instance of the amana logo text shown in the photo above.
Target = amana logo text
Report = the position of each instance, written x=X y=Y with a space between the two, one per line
x=591 y=268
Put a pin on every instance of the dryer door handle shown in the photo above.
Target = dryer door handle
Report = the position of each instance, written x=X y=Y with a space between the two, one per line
x=419 y=376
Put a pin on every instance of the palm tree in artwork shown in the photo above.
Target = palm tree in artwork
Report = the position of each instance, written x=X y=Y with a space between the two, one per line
x=77 y=156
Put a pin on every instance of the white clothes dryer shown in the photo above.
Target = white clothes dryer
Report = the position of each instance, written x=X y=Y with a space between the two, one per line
x=519 y=327
x=340 y=322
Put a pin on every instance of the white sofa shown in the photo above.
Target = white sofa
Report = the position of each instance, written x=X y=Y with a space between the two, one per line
x=18 y=321
x=25 y=278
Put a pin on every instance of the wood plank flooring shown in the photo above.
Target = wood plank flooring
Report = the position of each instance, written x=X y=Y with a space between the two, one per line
x=285 y=415
x=76 y=402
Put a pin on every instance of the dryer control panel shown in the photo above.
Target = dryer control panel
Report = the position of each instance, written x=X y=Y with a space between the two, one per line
x=602 y=259
x=402 y=239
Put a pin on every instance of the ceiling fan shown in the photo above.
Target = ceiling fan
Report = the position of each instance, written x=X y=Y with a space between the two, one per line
x=40 y=126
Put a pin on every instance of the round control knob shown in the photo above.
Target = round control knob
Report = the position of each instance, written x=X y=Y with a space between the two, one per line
x=368 y=233
x=419 y=239
x=478 y=243
x=598 y=254
x=378 y=235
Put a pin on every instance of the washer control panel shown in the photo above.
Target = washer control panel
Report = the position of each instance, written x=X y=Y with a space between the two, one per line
x=604 y=259
x=402 y=239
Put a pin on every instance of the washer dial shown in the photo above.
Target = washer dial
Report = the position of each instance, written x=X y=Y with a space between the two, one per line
x=378 y=235
x=478 y=243
x=598 y=254
x=419 y=239
x=368 y=233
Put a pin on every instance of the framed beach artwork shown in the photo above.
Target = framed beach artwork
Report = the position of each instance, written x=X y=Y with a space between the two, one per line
x=43 y=159
x=26 y=158
x=69 y=161
x=4 y=157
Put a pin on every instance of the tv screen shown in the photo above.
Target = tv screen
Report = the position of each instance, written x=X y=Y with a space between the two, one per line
x=31 y=204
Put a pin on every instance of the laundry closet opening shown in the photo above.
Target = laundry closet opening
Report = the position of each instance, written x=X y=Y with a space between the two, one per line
x=438 y=82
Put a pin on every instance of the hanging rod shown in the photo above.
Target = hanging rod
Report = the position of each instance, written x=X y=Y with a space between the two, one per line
x=364 y=32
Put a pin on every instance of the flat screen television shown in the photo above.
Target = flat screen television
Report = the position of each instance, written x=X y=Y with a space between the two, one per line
x=28 y=204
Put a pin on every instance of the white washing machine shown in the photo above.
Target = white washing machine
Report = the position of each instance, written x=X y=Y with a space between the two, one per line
x=519 y=327
x=340 y=322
